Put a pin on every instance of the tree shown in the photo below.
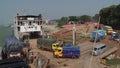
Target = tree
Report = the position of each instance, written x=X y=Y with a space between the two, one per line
x=85 y=18
x=62 y=21
x=95 y=17
x=116 y=14
x=107 y=15
x=73 y=18
x=110 y=15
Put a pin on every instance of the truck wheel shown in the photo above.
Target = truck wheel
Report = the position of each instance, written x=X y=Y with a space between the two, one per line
x=77 y=56
x=98 y=40
x=73 y=57
x=55 y=56
x=4 y=56
x=91 y=40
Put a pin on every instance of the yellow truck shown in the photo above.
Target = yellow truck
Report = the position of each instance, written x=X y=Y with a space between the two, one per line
x=65 y=50
x=56 y=45
x=108 y=29
x=58 y=52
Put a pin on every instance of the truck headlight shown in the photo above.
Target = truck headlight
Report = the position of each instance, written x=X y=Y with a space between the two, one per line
x=18 y=54
x=15 y=55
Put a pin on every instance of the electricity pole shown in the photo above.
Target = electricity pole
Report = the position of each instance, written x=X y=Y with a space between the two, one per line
x=74 y=34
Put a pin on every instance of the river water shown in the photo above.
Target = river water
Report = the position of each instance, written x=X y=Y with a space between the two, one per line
x=5 y=31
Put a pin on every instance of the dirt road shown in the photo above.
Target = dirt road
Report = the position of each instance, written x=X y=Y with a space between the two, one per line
x=64 y=62
x=82 y=62
x=33 y=43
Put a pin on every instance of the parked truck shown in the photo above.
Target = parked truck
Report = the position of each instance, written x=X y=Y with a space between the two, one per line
x=108 y=29
x=98 y=35
x=45 y=43
x=115 y=36
x=67 y=50
x=57 y=44
x=12 y=54
x=12 y=48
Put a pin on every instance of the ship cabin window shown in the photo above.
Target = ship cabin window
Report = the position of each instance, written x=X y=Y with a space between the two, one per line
x=18 y=28
x=29 y=22
x=38 y=23
x=33 y=21
x=21 y=23
x=18 y=22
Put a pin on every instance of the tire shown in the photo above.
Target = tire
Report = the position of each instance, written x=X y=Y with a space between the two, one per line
x=73 y=57
x=4 y=56
x=91 y=40
x=77 y=56
x=98 y=40
x=55 y=56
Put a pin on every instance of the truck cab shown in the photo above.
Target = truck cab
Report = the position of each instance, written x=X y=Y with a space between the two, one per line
x=12 y=48
x=108 y=29
x=98 y=35
x=115 y=36
x=67 y=50
x=56 y=45
x=58 y=52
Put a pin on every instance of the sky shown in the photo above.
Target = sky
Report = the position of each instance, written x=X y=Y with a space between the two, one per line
x=51 y=9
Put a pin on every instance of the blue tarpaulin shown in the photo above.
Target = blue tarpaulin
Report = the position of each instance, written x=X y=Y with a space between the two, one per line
x=12 y=44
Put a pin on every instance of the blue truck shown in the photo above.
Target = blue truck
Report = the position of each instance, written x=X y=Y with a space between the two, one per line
x=98 y=35
x=11 y=54
x=67 y=50
x=12 y=47
x=116 y=36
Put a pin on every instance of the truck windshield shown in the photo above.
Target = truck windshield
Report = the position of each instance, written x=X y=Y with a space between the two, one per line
x=68 y=44
x=59 y=50
x=95 y=49
x=116 y=37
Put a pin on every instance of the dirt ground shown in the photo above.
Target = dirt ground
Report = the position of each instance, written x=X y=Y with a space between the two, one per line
x=64 y=62
x=86 y=47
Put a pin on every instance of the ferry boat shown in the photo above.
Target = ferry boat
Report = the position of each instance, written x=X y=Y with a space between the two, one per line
x=27 y=26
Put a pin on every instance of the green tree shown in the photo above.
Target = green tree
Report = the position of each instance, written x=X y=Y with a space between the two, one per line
x=95 y=17
x=107 y=15
x=111 y=15
x=62 y=21
x=116 y=14
x=73 y=18
x=85 y=18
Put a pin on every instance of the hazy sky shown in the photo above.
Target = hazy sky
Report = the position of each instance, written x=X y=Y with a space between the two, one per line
x=51 y=9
